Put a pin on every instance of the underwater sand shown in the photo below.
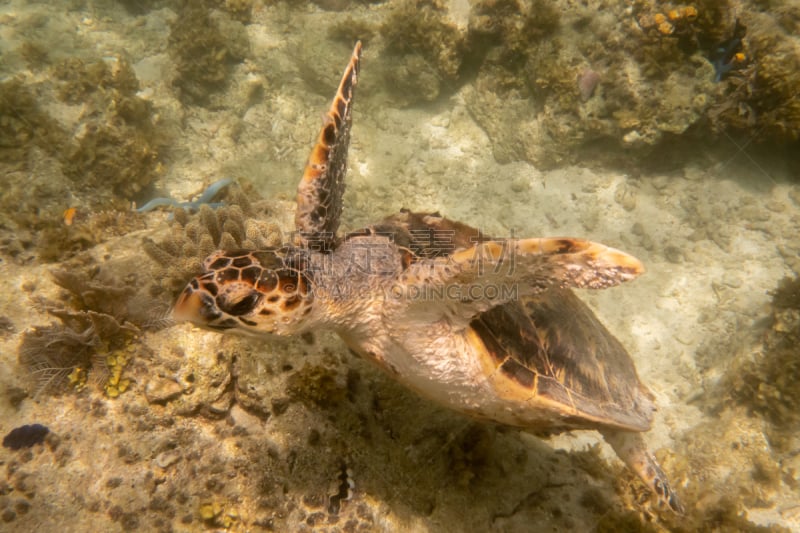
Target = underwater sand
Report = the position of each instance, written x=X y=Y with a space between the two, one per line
x=714 y=236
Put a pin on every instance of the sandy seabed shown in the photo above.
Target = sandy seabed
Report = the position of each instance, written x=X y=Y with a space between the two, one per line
x=264 y=436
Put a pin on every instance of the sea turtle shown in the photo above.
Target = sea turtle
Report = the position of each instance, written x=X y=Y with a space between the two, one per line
x=488 y=327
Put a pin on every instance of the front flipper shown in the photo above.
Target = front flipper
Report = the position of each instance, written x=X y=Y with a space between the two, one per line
x=319 y=194
x=496 y=271
x=631 y=448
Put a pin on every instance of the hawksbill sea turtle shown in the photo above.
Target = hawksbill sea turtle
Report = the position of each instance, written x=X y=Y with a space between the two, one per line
x=487 y=327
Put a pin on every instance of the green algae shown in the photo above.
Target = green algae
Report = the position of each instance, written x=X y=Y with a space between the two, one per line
x=112 y=154
x=115 y=149
x=24 y=124
x=769 y=383
x=427 y=48
x=316 y=385
x=205 y=46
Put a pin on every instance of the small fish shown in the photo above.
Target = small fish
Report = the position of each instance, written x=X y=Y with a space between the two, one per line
x=728 y=55
x=69 y=215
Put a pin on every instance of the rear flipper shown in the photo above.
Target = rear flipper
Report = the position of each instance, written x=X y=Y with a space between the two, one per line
x=631 y=448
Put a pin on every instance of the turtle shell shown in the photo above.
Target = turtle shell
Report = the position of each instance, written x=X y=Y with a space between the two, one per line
x=548 y=350
x=552 y=350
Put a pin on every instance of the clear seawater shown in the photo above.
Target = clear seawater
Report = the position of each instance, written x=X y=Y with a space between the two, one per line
x=472 y=110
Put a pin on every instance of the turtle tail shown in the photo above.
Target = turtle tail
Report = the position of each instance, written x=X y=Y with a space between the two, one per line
x=631 y=448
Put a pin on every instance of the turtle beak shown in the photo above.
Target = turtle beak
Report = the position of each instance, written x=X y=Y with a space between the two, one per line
x=195 y=306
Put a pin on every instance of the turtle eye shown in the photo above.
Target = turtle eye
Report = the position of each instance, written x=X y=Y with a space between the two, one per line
x=238 y=306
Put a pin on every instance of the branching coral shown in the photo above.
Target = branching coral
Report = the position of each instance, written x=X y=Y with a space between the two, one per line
x=192 y=237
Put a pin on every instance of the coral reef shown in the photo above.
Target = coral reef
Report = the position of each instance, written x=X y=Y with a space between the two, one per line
x=769 y=383
x=516 y=27
x=193 y=237
x=61 y=355
x=754 y=408
x=104 y=307
x=181 y=429
x=762 y=98
x=25 y=125
x=645 y=87
x=204 y=45
x=422 y=27
x=720 y=496
x=112 y=155
x=505 y=37
x=427 y=45
x=115 y=146
x=657 y=77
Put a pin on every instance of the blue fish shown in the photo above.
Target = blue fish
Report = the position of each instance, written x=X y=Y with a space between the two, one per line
x=723 y=56
x=194 y=205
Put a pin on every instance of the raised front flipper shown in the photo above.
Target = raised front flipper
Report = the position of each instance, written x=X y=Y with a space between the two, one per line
x=319 y=194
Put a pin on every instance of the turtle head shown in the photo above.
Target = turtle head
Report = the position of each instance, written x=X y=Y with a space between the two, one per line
x=261 y=293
